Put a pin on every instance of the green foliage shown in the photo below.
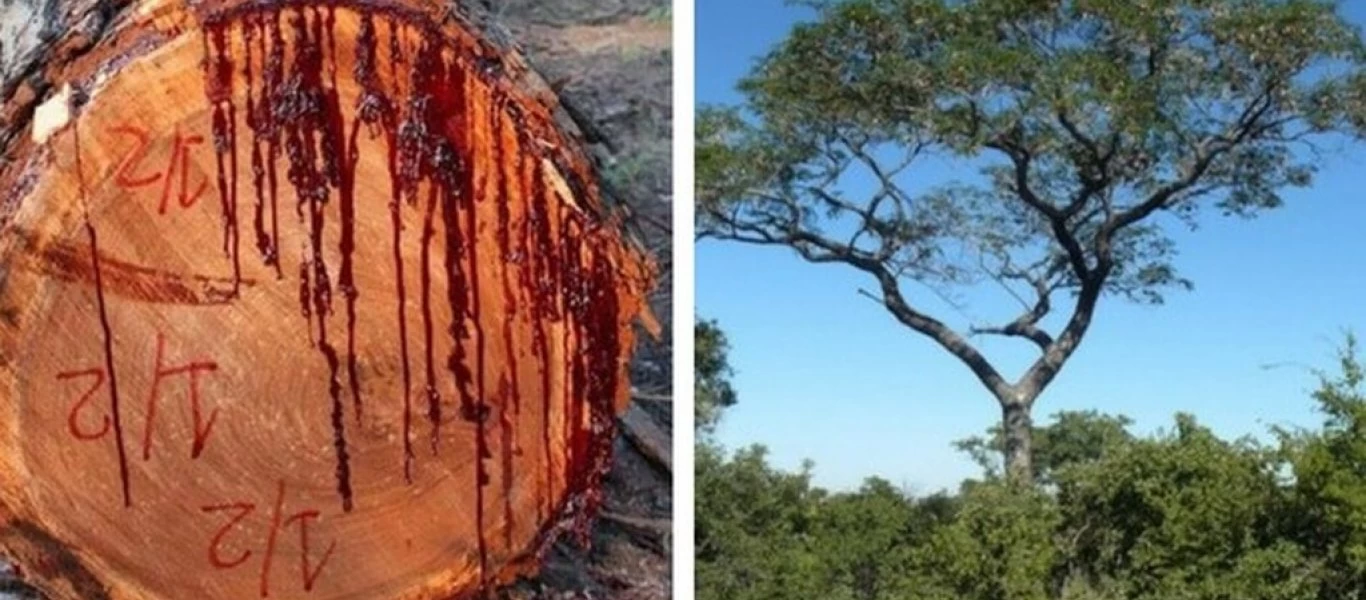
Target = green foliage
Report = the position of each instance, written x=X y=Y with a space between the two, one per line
x=1180 y=515
x=1074 y=437
x=1101 y=104
x=752 y=527
x=1177 y=515
x=1328 y=511
x=999 y=545
x=711 y=374
x=862 y=540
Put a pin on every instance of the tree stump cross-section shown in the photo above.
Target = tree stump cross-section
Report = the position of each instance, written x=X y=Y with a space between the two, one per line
x=302 y=299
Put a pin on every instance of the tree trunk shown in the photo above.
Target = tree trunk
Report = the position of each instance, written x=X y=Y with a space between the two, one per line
x=308 y=300
x=1017 y=427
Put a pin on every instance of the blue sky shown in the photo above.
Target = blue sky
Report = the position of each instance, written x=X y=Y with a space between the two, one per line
x=825 y=374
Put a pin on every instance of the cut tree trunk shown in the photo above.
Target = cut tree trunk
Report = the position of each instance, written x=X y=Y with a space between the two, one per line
x=307 y=299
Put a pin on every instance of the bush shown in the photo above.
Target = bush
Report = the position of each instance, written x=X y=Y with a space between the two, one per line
x=1179 y=515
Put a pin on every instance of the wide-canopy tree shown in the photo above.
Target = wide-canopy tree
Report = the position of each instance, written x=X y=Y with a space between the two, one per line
x=1086 y=122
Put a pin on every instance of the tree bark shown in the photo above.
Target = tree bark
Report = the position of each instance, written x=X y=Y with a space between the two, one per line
x=1017 y=427
x=313 y=298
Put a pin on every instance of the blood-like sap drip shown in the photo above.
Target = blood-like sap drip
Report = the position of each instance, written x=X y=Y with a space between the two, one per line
x=443 y=163
x=225 y=144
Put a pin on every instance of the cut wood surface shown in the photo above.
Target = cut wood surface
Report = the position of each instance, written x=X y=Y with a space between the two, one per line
x=306 y=301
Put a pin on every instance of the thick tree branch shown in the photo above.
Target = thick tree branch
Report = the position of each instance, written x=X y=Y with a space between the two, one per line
x=943 y=335
x=1095 y=173
x=1020 y=158
x=1016 y=328
x=818 y=249
x=1042 y=372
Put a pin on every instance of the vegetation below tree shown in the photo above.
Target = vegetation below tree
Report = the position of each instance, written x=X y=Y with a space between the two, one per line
x=1179 y=515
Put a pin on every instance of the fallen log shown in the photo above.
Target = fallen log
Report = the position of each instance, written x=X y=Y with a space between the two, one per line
x=298 y=299
x=654 y=443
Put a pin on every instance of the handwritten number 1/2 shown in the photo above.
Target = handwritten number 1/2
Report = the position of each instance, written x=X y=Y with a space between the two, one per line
x=278 y=521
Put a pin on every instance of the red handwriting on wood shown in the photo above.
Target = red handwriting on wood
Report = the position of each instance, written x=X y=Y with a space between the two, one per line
x=193 y=369
x=181 y=153
x=125 y=177
x=308 y=571
x=79 y=422
x=74 y=417
x=177 y=169
x=243 y=509
x=308 y=575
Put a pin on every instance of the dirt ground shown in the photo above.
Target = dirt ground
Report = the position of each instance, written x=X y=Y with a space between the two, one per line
x=611 y=60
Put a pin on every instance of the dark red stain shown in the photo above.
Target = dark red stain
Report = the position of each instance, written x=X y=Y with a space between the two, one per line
x=104 y=318
x=454 y=169
x=528 y=279
x=345 y=181
x=510 y=398
x=480 y=413
x=571 y=388
x=193 y=369
x=602 y=334
x=71 y=262
x=415 y=161
x=74 y=417
x=429 y=391
x=437 y=170
x=313 y=185
x=592 y=306
x=506 y=423
x=347 y=280
x=575 y=312
x=543 y=298
x=376 y=111
x=109 y=361
x=305 y=307
x=224 y=143
x=297 y=105
x=254 y=37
